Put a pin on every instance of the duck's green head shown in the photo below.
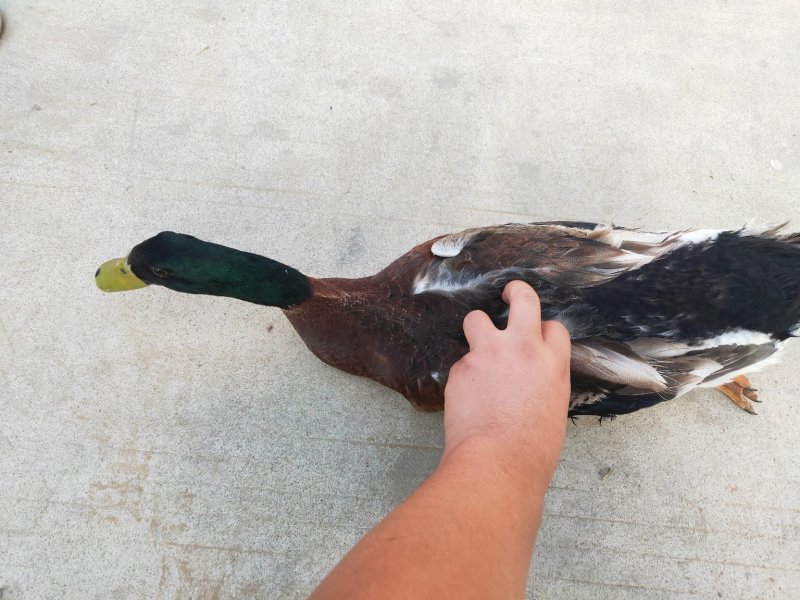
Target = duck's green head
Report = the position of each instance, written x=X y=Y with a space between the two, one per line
x=186 y=264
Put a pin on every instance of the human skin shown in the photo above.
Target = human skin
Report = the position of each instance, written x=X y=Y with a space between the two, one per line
x=469 y=530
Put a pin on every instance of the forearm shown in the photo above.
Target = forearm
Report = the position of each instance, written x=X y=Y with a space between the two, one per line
x=468 y=531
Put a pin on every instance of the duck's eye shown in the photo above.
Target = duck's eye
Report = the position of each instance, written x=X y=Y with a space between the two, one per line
x=159 y=272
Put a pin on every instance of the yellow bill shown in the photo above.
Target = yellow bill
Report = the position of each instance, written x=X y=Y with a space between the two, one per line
x=116 y=276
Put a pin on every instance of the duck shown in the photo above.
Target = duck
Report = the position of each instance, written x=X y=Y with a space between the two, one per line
x=651 y=315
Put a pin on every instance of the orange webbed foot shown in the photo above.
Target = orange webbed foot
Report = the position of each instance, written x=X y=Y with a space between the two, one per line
x=741 y=393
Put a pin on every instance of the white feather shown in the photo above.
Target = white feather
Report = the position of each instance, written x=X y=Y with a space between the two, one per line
x=451 y=245
x=442 y=280
x=698 y=236
x=617 y=237
x=660 y=242
x=661 y=348
x=737 y=337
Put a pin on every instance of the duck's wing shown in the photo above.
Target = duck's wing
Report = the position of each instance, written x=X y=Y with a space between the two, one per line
x=587 y=277
x=563 y=253
x=561 y=260
x=604 y=386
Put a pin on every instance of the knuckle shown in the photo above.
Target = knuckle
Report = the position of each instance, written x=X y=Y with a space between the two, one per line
x=491 y=348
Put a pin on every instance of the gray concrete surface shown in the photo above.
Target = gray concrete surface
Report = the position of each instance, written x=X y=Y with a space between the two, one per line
x=162 y=446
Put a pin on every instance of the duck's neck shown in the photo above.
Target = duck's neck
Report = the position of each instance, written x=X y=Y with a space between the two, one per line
x=334 y=323
x=271 y=284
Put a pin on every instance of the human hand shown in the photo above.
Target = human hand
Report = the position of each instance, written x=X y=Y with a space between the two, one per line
x=478 y=513
x=510 y=394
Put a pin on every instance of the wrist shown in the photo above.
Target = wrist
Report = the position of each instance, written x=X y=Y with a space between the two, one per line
x=489 y=457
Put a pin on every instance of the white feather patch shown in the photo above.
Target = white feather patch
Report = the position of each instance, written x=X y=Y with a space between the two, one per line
x=737 y=337
x=451 y=245
x=661 y=348
x=617 y=237
x=698 y=236
x=442 y=280
x=659 y=242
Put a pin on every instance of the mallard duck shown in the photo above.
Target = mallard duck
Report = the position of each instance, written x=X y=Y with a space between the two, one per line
x=651 y=315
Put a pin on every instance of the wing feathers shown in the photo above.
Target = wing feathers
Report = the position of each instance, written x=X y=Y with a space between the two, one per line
x=616 y=363
x=673 y=369
x=558 y=253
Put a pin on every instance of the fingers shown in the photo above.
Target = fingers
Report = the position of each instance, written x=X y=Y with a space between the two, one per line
x=524 y=313
x=556 y=336
x=477 y=328
x=524 y=319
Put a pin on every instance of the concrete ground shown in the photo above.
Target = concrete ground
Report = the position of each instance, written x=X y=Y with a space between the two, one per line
x=155 y=445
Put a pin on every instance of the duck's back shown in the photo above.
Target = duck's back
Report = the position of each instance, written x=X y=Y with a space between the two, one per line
x=702 y=290
x=651 y=315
